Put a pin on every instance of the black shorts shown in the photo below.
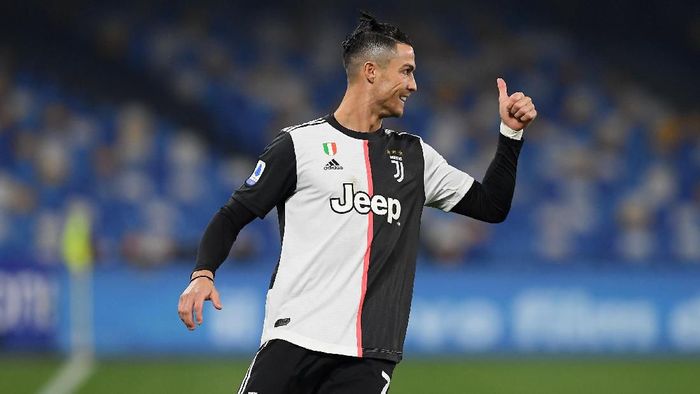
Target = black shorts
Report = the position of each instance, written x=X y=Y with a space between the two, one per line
x=280 y=367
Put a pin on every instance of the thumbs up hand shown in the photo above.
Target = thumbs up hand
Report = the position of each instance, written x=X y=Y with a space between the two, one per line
x=516 y=110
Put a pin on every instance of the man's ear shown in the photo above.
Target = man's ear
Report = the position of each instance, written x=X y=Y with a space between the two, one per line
x=369 y=71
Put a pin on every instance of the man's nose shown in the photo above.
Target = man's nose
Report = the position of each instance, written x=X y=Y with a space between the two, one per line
x=412 y=85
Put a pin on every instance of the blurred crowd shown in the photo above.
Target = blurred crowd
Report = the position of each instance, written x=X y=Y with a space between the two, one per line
x=149 y=186
x=609 y=173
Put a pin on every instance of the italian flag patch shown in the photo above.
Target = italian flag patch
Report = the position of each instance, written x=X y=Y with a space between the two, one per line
x=330 y=148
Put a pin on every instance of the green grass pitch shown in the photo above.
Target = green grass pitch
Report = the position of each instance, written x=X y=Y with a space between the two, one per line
x=479 y=376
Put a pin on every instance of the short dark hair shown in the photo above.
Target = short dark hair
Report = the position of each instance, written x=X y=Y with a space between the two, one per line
x=371 y=34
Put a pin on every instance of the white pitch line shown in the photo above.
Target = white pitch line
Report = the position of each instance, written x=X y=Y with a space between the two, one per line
x=81 y=362
x=71 y=375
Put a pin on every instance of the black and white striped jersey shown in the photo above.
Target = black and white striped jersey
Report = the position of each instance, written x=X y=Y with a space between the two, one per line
x=349 y=206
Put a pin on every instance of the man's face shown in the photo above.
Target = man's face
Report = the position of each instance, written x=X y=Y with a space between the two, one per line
x=395 y=82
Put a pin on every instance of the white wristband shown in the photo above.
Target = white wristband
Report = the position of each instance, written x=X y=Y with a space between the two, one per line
x=510 y=133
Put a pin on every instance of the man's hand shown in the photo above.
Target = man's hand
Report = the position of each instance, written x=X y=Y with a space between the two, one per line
x=192 y=299
x=516 y=110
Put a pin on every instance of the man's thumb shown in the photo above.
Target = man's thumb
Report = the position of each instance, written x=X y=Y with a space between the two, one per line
x=216 y=300
x=502 y=89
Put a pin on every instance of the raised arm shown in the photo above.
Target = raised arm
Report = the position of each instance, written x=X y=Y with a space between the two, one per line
x=453 y=190
x=490 y=201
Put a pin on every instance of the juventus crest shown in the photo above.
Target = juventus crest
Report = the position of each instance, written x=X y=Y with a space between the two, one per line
x=396 y=157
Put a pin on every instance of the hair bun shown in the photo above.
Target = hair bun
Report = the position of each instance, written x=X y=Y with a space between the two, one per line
x=369 y=19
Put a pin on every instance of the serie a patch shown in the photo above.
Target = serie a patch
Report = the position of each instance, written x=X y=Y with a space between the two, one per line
x=257 y=173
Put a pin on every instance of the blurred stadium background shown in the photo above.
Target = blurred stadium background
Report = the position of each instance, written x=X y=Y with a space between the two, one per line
x=124 y=127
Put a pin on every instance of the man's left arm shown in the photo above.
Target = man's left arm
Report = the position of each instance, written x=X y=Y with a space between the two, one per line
x=490 y=201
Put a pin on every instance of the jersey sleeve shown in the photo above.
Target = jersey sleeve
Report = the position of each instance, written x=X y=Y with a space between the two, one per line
x=444 y=185
x=274 y=178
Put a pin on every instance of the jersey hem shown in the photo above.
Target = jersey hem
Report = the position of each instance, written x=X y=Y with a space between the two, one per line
x=383 y=354
x=311 y=344
x=330 y=348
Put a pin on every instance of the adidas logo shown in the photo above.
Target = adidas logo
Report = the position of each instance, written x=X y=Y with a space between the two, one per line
x=333 y=165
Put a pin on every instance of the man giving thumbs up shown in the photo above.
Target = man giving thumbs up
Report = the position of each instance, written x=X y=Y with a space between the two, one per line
x=350 y=194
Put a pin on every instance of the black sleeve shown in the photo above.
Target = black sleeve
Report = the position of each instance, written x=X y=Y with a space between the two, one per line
x=274 y=178
x=491 y=200
x=220 y=233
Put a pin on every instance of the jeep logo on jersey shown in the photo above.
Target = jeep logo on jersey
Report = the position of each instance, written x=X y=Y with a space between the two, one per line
x=363 y=204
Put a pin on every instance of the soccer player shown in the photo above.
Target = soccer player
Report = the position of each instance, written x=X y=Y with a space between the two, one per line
x=349 y=195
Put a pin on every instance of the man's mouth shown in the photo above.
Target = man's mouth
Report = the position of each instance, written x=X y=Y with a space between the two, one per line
x=403 y=98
